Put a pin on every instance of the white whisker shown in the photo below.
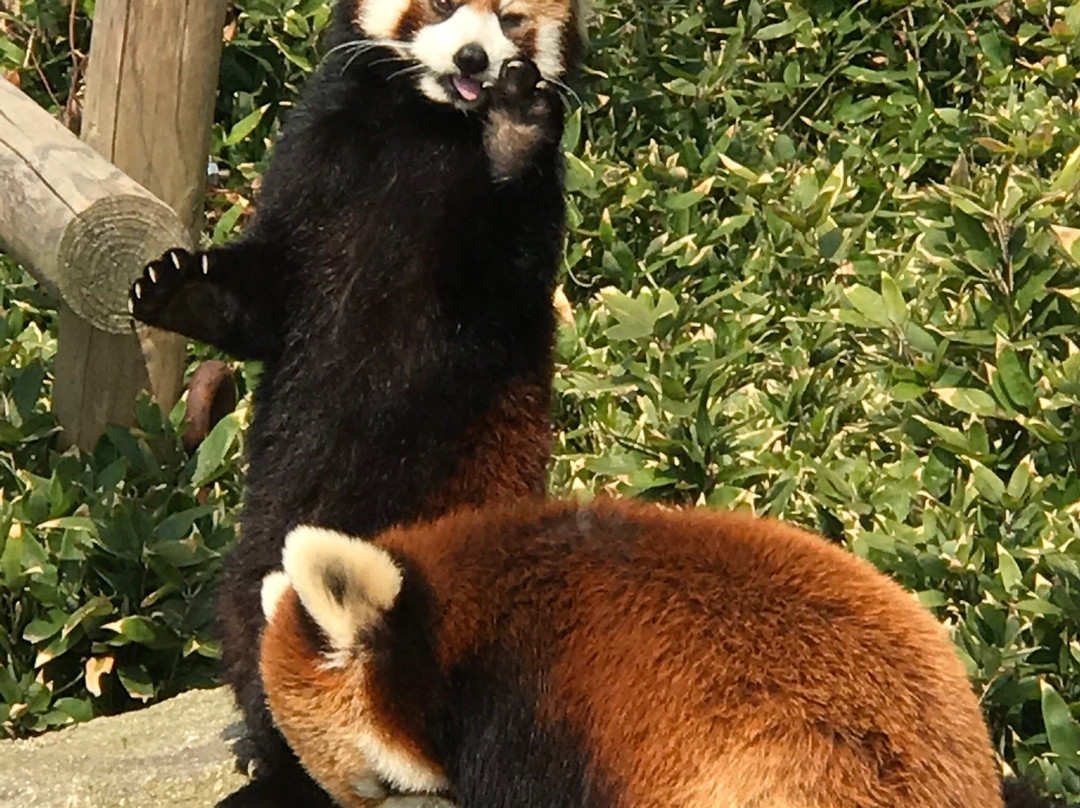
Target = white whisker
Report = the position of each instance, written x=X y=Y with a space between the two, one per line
x=564 y=90
x=405 y=71
x=358 y=48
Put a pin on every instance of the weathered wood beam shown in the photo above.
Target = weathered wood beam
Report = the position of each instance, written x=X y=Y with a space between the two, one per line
x=79 y=224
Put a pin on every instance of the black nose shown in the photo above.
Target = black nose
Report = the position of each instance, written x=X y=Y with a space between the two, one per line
x=471 y=59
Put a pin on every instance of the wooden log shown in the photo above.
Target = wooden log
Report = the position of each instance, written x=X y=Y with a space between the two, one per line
x=150 y=90
x=78 y=223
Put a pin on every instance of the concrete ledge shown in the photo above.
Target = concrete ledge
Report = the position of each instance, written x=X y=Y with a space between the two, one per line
x=176 y=754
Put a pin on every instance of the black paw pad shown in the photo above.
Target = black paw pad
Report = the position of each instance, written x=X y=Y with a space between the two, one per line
x=161 y=279
x=518 y=79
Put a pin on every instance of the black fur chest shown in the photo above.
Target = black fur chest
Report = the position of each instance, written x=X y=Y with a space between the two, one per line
x=420 y=289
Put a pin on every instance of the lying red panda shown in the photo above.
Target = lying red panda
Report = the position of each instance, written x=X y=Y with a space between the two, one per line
x=549 y=655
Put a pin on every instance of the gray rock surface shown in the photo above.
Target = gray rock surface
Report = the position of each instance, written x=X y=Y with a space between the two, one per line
x=176 y=754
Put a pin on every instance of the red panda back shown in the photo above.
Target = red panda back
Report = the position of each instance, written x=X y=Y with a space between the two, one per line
x=703 y=659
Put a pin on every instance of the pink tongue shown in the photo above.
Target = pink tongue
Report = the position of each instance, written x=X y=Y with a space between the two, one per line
x=469 y=89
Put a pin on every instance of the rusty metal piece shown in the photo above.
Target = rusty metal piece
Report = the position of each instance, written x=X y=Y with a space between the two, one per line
x=211 y=396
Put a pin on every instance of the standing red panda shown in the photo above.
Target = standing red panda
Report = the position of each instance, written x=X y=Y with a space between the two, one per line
x=396 y=282
x=613 y=655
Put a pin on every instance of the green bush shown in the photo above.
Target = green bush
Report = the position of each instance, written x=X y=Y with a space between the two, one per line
x=106 y=560
x=825 y=265
x=825 y=270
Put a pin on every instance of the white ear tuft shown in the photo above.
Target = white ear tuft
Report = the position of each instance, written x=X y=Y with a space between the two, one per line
x=344 y=583
x=274 y=586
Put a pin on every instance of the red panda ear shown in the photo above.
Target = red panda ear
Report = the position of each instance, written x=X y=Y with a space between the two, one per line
x=344 y=583
x=274 y=586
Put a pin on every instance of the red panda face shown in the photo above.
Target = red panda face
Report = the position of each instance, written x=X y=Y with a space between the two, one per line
x=315 y=670
x=459 y=46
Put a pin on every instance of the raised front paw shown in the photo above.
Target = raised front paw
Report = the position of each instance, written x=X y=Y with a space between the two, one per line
x=521 y=89
x=525 y=114
x=162 y=279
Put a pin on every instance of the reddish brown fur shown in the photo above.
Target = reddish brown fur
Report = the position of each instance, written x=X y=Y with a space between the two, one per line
x=708 y=659
x=310 y=699
x=422 y=12
x=508 y=453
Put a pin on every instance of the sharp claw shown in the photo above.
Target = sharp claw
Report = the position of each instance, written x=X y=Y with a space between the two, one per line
x=175 y=260
x=205 y=265
x=153 y=274
x=137 y=290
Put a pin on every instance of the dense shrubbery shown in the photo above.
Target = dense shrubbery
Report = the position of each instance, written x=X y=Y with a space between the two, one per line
x=824 y=266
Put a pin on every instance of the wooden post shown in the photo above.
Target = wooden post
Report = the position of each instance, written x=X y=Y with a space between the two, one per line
x=150 y=89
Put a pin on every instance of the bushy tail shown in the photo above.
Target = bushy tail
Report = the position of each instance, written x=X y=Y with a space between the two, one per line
x=1018 y=794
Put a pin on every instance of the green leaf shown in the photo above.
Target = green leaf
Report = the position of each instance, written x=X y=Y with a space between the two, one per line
x=1038 y=607
x=1069 y=239
x=1015 y=378
x=677 y=202
x=137 y=682
x=95 y=607
x=1069 y=176
x=81 y=523
x=987 y=482
x=1019 y=480
x=777 y=30
x=1061 y=730
x=227 y=223
x=246 y=126
x=43 y=628
x=895 y=307
x=968 y=399
x=868 y=303
x=139 y=629
x=971 y=230
x=78 y=709
x=572 y=132
x=213 y=451
x=1008 y=569
x=178 y=525
x=830 y=242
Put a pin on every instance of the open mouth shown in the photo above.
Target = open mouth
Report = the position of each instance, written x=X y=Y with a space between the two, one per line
x=467 y=89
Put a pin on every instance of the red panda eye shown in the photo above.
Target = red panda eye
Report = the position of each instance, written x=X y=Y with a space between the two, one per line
x=443 y=6
x=511 y=21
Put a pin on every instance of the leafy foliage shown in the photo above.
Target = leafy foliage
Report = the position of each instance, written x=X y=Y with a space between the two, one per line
x=106 y=560
x=825 y=267
x=824 y=264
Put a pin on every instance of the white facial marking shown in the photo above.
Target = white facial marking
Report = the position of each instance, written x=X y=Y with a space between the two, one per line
x=400 y=769
x=436 y=45
x=380 y=19
x=430 y=86
x=549 y=51
x=274 y=586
